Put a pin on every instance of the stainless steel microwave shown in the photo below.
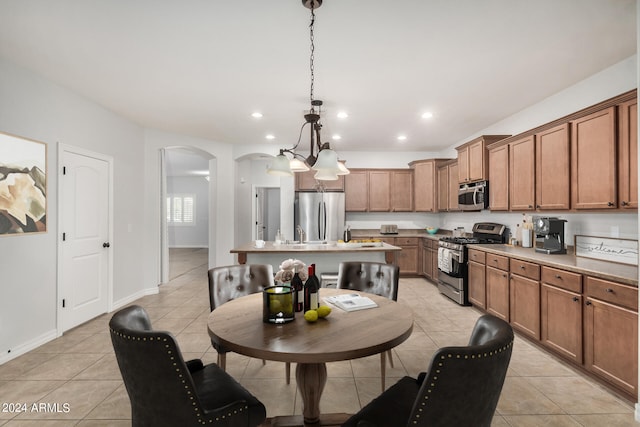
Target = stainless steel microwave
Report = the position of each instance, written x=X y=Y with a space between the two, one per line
x=474 y=196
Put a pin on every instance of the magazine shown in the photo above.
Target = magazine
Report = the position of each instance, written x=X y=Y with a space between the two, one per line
x=351 y=302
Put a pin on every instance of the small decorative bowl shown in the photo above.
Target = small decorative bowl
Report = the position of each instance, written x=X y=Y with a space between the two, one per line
x=432 y=230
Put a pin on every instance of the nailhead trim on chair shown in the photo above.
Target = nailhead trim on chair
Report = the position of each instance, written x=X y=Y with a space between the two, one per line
x=439 y=370
x=183 y=380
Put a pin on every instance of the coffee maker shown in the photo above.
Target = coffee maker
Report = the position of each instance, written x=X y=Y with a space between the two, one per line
x=549 y=233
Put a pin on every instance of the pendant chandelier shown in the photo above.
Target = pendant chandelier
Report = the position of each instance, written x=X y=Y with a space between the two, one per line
x=321 y=157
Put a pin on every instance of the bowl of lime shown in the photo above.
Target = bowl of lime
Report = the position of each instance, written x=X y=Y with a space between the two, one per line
x=431 y=230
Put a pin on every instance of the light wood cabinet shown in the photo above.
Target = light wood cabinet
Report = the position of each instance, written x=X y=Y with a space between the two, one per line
x=628 y=154
x=407 y=259
x=593 y=161
x=402 y=190
x=497 y=288
x=522 y=174
x=524 y=301
x=427 y=186
x=611 y=333
x=499 y=178
x=447 y=192
x=553 y=185
x=305 y=181
x=356 y=189
x=476 y=278
x=473 y=159
x=453 y=187
x=443 y=188
x=379 y=191
x=429 y=259
x=561 y=321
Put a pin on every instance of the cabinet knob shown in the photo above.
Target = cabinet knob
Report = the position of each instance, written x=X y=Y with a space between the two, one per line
x=610 y=204
x=558 y=276
x=609 y=290
x=588 y=303
x=530 y=206
x=537 y=206
x=576 y=299
x=522 y=267
x=504 y=275
x=624 y=203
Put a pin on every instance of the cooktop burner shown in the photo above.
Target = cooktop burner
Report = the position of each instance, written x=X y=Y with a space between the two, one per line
x=462 y=240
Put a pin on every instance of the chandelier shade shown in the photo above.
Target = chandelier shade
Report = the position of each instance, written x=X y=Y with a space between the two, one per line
x=280 y=166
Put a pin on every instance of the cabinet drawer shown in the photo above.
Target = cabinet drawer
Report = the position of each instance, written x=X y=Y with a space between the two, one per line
x=406 y=241
x=477 y=256
x=498 y=261
x=615 y=293
x=562 y=279
x=526 y=269
x=389 y=240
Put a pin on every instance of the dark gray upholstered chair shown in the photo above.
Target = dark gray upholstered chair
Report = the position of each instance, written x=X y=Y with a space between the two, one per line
x=375 y=278
x=164 y=390
x=461 y=387
x=235 y=281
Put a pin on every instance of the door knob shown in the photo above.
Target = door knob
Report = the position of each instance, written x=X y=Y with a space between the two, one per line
x=106 y=245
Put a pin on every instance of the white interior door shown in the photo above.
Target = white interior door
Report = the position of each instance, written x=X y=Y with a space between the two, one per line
x=260 y=204
x=85 y=237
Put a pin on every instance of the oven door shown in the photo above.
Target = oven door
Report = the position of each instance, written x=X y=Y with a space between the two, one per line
x=452 y=262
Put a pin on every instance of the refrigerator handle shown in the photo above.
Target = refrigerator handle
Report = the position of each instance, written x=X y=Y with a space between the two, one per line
x=319 y=220
x=324 y=217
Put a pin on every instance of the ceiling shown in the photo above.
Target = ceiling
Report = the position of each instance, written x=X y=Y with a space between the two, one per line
x=201 y=67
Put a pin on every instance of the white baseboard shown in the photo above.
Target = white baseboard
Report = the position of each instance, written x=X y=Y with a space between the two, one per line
x=131 y=298
x=637 y=413
x=28 y=346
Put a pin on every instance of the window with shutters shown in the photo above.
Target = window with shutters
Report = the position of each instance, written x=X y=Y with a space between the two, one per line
x=181 y=209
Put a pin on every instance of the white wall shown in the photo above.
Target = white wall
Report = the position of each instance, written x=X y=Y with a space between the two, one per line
x=196 y=235
x=37 y=109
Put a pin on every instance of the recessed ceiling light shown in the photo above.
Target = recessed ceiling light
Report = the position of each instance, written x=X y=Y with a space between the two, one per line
x=342 y=115
x=427 y=115
x=256 y=115
x=402 y=137
x=336 y=137
x=269 y=136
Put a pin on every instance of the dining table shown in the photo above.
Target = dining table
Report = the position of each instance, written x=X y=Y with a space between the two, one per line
x=343 y=335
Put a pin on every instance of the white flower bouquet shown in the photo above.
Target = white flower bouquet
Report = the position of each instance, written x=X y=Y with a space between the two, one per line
x=288 y=268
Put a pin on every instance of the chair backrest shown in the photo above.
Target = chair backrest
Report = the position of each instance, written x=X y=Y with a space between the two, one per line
x=373 y=277
x=463 y=384
x=234 y=281
x=158 y=382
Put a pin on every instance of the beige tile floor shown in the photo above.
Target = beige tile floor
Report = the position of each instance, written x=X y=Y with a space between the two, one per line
x=79 y=368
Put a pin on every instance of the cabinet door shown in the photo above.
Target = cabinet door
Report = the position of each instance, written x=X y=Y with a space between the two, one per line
x=305 y=181
x=628 y=154
x=561 y=321
x=477 y=289
x=356 y=191
x=424 y=178
x=593 y=161
x=525 y=305
x=476 y=161
x=453 y=188
x=433 y=253
x=463 y=165
x=497 y=285
x=499 y=178
x=552 y=168
x=425 y=268
x=408 y=260
x=443 y=188
x=522 y=174
x=379 y=191
x=611 y=344
x=402 y=191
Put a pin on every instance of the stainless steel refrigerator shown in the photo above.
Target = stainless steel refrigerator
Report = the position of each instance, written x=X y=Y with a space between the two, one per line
x=321 y=215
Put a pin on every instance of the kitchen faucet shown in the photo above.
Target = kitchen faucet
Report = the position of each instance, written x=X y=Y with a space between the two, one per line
x=301 y=233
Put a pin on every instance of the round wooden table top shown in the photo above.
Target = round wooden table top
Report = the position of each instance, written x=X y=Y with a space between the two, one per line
x=237 y=325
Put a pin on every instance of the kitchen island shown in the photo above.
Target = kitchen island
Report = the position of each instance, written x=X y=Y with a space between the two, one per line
x=326 y=256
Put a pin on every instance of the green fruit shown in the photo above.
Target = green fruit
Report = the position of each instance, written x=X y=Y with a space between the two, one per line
x=324 y=311
x=311 y=315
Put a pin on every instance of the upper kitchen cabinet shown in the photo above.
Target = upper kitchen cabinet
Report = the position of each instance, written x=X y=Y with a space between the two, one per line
x=448 y=186
x=553 y=185
x=499 y=178
x=628 y=154
x=522 y=174
x=473 y=159
x=305 y=181
x=426 y=187
x=593 y=160
x=379 y=190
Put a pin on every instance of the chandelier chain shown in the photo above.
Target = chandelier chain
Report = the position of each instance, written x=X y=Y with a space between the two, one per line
x=312 y=47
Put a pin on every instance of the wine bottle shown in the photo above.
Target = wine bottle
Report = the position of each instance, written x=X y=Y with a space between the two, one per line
x=311 y=288
x=298 y=292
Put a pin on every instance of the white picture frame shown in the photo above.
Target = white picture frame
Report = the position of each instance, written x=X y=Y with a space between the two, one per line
x=622 y=251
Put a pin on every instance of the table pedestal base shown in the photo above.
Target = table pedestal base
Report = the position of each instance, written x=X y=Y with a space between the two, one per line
x=311 y=378
x=326 y=420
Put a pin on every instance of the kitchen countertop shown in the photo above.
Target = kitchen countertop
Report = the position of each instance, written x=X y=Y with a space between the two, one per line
x=332 y=247
x=419 y=232
x=622 y=273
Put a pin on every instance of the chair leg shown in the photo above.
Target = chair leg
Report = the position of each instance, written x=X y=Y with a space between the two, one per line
x=288 y=372
x=383 y=368
x=264 y=362
x=390 y=355
x=222 y=361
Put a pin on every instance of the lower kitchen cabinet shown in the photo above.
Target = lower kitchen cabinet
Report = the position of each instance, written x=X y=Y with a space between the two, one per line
x=407 y=259
x=524 y=293
x=476 y=278
x=429 y=259
x=561 y=321
x=611 y=333
x=497 y=285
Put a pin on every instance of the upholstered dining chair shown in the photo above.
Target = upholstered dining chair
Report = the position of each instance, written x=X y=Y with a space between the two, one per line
x=461 y=387
x=375 y=278
x=164 y=390
x=235 y=281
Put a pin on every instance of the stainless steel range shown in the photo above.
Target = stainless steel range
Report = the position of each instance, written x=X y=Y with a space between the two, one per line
x=452 y=259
